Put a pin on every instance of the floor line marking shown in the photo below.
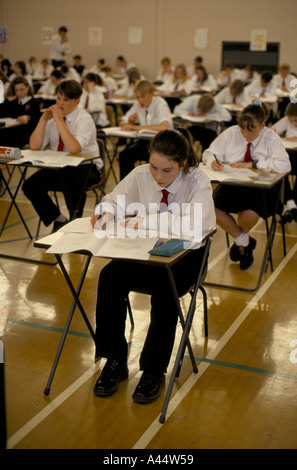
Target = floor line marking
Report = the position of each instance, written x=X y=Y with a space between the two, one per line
x=178 y=397
x=156 y=426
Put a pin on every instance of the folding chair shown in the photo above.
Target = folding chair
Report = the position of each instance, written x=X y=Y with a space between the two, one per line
x=186 y=323
x=99 y=186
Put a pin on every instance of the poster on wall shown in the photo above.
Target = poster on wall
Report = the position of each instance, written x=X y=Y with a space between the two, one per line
x=135 y=35
x=3 y=35
x=95 y=36
x=258 y=40
x=201 y=38
x=47 y=33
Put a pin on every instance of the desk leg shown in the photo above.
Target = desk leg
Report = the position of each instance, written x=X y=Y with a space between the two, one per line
x=13 y=203
x=186 y=330
x=75 y=302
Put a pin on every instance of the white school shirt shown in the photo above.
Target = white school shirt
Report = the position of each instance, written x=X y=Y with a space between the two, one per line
x=48 y=88
x=210 y=84
x=224 y=80
x=157 y=112
x=96 y=104
x=44 y=71
x=140 y=187
x=224 y=96
x=82 y=127
x=255 y=88
x=278 y=80
x=267 y=150
x=126 y=89
x=285 y=125
x=169 y=86
x=190 y=104
x=58 y=48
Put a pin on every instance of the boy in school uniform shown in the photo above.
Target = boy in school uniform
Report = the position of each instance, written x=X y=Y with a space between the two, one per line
x=148 y=112
x=66 y=128
x=284 y=77
x=205 y=106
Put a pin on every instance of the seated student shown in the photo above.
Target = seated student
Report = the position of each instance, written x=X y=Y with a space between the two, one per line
x=228 y=74
x=5 y=80
x=197 y=62
x=201 y=80
x=250 y=144
x=45 y=69
x=63 y=127
x=49 y=87
x=263 y=87
x=179 y=85
x=173 y=167
x=127 y=85
x=20 y=105
x=284 y=77
x=123 y=66
x=32 y=66
x=287 y=127
x=108 y=81
x=6 y=67
x=97 y=68
x=166 y=71
x=233 y=94
x=249 y=74
x=148 y=112
x=20 y=69
x=69 y=73
x=205 y=105
x=77 y=65
x=92 y=99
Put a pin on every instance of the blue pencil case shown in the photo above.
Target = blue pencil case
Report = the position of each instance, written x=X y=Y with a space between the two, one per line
x=170 y=247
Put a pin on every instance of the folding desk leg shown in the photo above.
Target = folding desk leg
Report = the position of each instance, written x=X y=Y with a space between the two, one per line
x=75 y=302
x=185 y=335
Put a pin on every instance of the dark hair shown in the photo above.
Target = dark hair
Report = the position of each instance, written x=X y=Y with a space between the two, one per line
x=22 y=66
x=94 y=77
x=57 y=74
x=63 y=28
x=77 y=57
x=69 y=88
x=205 y=74
x=16 y=81
x=291 y=109
x=266 y=76
x=251 y=113
x=176 y=145
x=237 y=87
x=3 y=77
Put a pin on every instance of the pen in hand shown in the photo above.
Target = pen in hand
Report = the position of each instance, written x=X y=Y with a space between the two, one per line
x=218 y=162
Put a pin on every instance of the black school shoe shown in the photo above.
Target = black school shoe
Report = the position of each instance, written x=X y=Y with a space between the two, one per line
x=112 y=374
x=246 y=254
x=234 y=253
x=149 y=387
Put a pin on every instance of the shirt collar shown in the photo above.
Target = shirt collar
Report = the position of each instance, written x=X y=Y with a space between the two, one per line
x=174 y=186
x=25 y=100
x=72 y=115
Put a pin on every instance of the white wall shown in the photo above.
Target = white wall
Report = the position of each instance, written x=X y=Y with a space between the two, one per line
x=168 y=28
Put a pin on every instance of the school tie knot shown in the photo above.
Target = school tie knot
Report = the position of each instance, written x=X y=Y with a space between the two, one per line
x=247 y=156
x=164 y=199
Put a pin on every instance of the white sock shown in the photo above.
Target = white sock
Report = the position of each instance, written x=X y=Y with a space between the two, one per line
x=61 y=218
x=242 y=240
x=291 y=204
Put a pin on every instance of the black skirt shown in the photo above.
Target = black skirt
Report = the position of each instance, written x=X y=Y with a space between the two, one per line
x=234 y=199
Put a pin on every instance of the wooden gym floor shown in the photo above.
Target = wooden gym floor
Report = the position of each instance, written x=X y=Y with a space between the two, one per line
x=243 y=397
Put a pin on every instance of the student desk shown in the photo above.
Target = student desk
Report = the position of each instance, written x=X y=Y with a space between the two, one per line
x=120 y=135
x=197 y=120
x=265 y=186
x=131 y=255
x=44 y=159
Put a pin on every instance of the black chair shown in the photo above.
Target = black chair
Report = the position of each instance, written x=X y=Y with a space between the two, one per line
x=186 y=322
x=97 y=189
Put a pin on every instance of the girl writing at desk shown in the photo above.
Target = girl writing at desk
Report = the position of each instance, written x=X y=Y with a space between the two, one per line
x=172 y=173
x=250 y=144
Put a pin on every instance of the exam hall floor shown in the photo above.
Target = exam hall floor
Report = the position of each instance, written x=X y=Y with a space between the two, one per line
x=244 y=396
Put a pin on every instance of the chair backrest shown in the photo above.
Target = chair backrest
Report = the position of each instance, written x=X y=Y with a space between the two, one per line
x=102 y=156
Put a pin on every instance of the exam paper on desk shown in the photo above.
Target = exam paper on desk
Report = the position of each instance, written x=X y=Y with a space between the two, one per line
x=228 y=173
x=47 y=158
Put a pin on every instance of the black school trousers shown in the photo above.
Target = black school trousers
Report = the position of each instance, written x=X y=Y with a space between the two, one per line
x=69 y=180
x=116 y=280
